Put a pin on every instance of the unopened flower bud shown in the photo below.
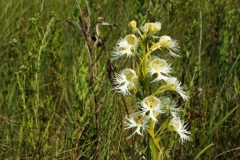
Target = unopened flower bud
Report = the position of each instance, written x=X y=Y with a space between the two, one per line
x=132 y=24
x=152 y=27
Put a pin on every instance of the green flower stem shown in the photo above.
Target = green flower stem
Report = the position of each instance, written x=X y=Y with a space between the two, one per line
x=153 y=143
x=144 y=69
x=138 y=32
x=161 y=130
x=163 y=89
x=153 y=151
x=154 y=140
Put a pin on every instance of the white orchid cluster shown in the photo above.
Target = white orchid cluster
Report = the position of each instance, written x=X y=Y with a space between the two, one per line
x=150 y=80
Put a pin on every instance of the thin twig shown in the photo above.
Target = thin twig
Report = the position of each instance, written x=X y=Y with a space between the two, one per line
x=84 y=28
x=125 y=106
x=200 y=46
x=231 y=150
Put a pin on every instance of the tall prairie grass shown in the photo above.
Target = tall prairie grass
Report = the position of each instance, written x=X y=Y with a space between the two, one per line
x=52 y=106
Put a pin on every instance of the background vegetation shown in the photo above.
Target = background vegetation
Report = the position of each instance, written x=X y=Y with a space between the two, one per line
x=54 y=105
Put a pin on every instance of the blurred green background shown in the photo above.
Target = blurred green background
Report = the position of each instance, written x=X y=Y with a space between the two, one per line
x=50 y=107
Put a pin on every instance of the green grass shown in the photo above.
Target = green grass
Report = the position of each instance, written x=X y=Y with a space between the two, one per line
x=48 y=102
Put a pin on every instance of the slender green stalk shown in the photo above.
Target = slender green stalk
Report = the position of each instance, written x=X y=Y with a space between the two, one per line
x=202 y=151
x=40 y=51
